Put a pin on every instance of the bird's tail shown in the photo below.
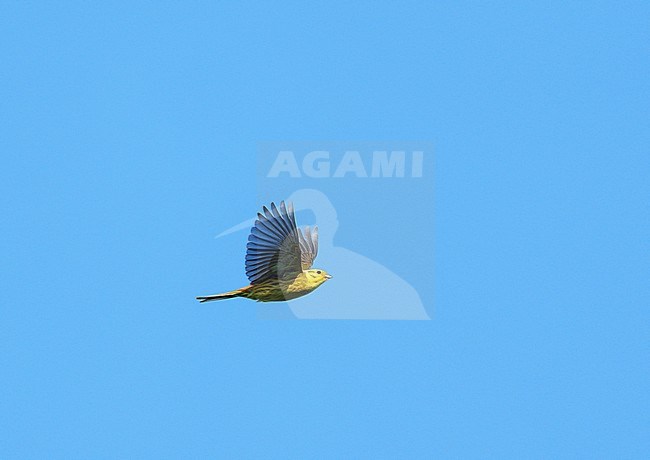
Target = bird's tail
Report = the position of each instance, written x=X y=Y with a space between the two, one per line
x=226 y=295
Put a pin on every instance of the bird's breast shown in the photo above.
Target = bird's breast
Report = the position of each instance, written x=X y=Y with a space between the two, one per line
x=297 y=286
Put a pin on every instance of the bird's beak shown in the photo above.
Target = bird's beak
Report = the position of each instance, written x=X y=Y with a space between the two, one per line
x=328 y=276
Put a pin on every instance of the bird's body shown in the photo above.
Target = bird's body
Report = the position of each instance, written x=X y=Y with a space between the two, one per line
x=278 y=259
x=274 y=290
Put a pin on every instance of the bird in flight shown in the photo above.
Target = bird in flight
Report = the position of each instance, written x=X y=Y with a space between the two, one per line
x=279 y=257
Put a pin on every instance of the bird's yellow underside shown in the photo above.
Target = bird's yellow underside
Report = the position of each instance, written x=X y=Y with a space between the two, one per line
x=279 y=290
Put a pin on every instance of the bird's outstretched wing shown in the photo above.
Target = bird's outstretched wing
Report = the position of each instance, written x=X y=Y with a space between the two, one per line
x=273 y=249
x=308 y=246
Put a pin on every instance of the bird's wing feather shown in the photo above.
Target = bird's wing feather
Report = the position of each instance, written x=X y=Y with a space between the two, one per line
x=308 y=246
x=274 y=245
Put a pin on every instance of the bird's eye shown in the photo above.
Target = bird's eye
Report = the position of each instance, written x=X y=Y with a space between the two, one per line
x=318 y=272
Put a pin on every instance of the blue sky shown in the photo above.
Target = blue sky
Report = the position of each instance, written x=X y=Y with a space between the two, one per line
x=129 y=136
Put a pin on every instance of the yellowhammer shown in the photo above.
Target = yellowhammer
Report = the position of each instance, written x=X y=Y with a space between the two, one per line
x=279 y=257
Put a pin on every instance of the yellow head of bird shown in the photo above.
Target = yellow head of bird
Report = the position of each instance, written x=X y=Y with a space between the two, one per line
x=317 y=276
